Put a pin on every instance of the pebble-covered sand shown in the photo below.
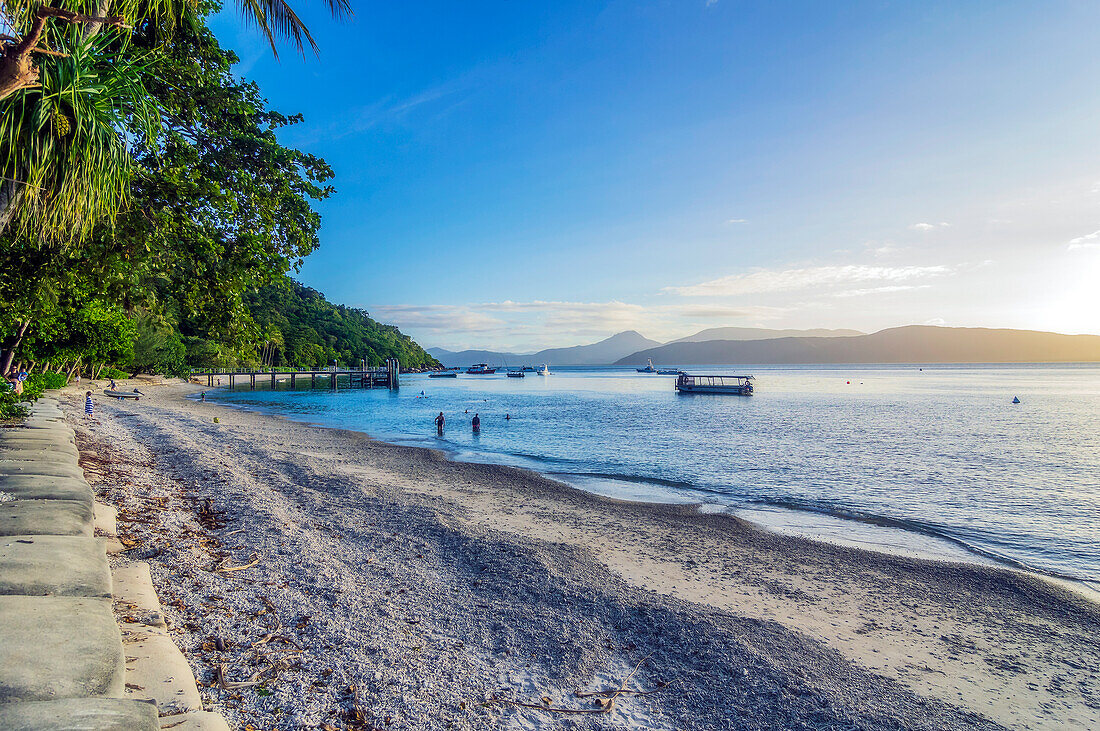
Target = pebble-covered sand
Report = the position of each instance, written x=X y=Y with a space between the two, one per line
x=352 y=584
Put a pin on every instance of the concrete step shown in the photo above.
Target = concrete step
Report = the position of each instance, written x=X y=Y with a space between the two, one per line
x=135 y=598
x=47 y=412
x=32 y=487
x=198 y=721
x=49 y=425
x=58 y=647
x=105 y=519
x=155 y=667
x=70 y=566
x=23 y=449
x=80 y=714
x=157 y=670
x=30 y=467
x=32 y=438
x=46 y=517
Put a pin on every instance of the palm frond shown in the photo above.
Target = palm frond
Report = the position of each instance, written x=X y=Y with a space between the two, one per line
x=67 y=141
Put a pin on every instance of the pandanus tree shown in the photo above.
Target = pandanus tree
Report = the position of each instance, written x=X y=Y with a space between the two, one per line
x=70 y=106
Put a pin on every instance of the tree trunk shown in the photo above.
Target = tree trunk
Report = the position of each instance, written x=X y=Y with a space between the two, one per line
x=9 y=356
x=92 y=29
x=11 y=194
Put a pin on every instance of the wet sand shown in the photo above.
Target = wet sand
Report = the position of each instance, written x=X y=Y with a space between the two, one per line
x=402 y=590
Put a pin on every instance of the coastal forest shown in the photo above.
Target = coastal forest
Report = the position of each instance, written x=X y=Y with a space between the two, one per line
x=150 y=217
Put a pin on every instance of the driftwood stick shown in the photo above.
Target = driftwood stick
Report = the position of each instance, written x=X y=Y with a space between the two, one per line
x=250 y=564
x=228 y=685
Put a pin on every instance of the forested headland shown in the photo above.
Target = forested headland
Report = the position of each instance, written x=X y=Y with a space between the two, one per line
x=150 y=217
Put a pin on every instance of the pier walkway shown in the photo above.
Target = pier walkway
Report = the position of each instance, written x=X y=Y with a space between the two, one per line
x=386 y=376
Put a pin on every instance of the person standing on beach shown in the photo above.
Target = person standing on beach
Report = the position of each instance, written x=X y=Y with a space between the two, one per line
x=204 y=397
x=476 y=423
x=439 y=422
x=88 y=404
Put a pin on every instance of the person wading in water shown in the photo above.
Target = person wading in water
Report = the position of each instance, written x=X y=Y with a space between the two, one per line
x=476 y=423
x=439 y=422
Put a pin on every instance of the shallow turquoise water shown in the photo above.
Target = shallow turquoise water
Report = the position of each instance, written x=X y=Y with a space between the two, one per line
x=940 y=451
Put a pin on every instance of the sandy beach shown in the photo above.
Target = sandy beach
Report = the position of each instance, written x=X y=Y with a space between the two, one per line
x=360 y=584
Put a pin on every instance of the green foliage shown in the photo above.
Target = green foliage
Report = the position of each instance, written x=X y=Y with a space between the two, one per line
x=220 y=206
x=313 y=331
x=111 y=372
x=158 y=348
x=65 y=140
x=193 y=270
x=11 y=406
x=37 y=383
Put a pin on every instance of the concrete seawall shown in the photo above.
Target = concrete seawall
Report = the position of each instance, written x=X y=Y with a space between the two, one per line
x=81 y=646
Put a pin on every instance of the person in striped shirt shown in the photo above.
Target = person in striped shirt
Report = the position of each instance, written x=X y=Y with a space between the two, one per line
x=88 y=403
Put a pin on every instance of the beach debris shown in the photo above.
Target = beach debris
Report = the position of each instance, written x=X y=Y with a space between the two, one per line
x=210 y=518
x=227 y=569
x=234 y=685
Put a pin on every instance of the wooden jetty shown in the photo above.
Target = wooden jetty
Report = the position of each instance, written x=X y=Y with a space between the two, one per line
x=387 y=376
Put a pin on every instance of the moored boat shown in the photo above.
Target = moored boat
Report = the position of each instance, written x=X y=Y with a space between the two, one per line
x=443 y=374
x=648 y=369
x=516 y=374
x=669 y=372
x=544 y=371
x=735 y=385
x=478 y=369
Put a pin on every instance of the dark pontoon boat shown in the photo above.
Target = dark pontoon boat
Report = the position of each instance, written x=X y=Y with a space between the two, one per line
x=736 y=385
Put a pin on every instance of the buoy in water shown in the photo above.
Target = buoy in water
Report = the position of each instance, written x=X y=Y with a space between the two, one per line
x=216 y=420
x=1015 y=399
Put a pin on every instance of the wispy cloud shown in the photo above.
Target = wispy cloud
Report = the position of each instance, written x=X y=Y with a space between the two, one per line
x=929 y=226
x=437 y=318
x=1088 y=241
x=532 y=325
x=764 y=281
x=879 y=290
x=737 y=220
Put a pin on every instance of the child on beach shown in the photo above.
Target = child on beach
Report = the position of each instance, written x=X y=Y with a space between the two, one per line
x=88 y=404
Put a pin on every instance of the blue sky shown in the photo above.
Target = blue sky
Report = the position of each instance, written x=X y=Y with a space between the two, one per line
x=530 y=173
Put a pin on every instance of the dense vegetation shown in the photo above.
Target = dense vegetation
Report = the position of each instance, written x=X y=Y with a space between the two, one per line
x=301 y=327
x=149 y=215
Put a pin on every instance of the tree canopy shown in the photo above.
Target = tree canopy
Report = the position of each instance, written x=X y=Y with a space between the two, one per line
x=192 y=268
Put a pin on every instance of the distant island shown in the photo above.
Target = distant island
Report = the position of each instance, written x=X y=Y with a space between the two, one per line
x=604 y=352
x=911 y=344
x=733 y=345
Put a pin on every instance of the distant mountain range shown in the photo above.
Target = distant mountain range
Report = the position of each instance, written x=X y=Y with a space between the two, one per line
x=601 y=353
x=912 y=344
x=733 y=345
x=760 y=333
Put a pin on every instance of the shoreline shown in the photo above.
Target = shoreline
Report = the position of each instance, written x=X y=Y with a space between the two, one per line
x=548 y=588
x=950 y=548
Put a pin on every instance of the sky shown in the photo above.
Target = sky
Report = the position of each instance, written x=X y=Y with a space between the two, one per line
x=533 y=173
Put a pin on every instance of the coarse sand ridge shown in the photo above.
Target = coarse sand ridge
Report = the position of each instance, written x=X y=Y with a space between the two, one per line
x=389 y=587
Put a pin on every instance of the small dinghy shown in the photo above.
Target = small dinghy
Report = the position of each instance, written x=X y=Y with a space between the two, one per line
x=1015 y=399
x=135 y=394
x=443 y=374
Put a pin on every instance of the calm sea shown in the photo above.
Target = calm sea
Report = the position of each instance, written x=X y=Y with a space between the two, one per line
x=934 y=459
